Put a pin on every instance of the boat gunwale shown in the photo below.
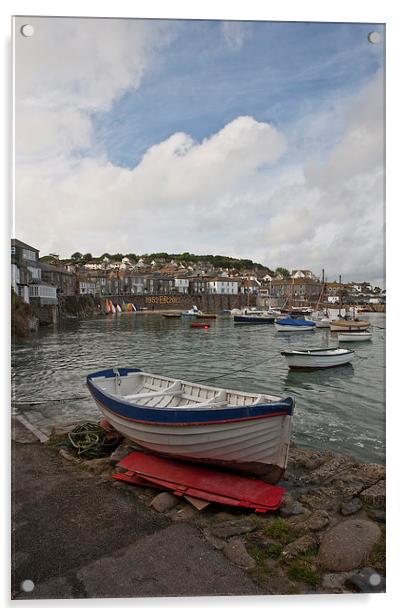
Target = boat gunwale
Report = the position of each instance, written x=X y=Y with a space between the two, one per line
x=317 y=352
x=190 y=415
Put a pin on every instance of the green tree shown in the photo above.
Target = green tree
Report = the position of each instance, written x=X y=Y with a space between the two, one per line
x=283 y=272
x=76 y=256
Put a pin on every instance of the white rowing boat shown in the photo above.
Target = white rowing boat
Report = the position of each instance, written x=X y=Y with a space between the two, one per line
x=354 y=336
x=317 y=358
x=245 y=431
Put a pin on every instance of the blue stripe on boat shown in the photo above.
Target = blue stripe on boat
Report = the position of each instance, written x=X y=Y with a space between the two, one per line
x=171 y=415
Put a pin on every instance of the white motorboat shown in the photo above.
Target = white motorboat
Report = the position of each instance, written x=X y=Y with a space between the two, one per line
x=317 y=358
x=193 y=312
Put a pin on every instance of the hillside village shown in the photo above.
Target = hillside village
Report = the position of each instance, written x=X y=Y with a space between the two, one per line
x=45 y=279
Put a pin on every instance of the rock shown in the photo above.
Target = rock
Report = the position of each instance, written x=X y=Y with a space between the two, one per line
x=302 y=545
x=165 y=501
x=67 y=455
x=334 y=581
x=236 y=552
x=333 y=469
x=318 y=520
x=324 y=499
x=227 y=529
x=217 y=543
x=346 y=545
x=378 y=515
x=366 y=580
x=374 y=496
x=352 y=506
x=97 y=465
x=290 y=507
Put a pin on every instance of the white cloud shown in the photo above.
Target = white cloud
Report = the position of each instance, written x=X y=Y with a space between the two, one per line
x=232 y=193
x=72 y=67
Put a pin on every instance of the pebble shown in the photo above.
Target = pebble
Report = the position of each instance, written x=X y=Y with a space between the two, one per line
x=318 y=520
x=236 y=552
x=346 y=545
x=294 y=508
x=165 y=501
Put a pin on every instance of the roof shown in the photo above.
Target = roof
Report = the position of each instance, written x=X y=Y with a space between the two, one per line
x=15 y=242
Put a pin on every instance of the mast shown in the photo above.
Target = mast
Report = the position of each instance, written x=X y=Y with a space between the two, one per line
x=322 y=290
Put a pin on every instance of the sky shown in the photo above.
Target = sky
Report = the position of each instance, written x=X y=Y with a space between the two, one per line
x=260 y=140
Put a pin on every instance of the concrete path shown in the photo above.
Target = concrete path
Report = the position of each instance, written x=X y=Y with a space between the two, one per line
x=77 y=536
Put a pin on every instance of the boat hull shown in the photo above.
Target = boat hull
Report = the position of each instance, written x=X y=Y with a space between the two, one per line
x=247 y=442
x=260 y=447
x=252 y=320
x=294 y=328
x=317 y=361
x=354 y=336
x=349 y=326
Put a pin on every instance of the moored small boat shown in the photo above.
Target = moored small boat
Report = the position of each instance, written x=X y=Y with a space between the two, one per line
x=349 y=325
x=294 y=325
x=317 y=358
x=253 y=319
x=246 y=431
x=354 y=336
x=171 y=315
x=191 y=313
x=198 y=325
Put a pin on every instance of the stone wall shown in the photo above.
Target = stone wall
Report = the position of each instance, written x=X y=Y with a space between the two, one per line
x=206 y=303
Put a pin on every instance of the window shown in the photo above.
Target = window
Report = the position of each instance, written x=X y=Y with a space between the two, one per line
x=29 y=255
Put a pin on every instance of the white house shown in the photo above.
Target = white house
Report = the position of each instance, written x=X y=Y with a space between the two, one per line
x=302 y=274
x=181 y=285
x=222 y=286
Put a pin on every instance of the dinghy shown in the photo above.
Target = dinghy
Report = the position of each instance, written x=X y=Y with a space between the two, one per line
x=354 y=336
x=317 y=358
x=294 y=325
x=349 y=325
x=253 y=319
x=245 y=431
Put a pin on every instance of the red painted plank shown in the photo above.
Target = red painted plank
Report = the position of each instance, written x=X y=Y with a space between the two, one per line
x=202 y=482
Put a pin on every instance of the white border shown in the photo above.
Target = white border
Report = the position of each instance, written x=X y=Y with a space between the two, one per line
x=386 y=11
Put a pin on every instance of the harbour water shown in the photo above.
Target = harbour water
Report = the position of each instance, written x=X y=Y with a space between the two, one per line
x=339 y=409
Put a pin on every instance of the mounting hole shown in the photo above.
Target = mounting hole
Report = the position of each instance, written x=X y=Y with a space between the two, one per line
x=27 y=30
x=374 y=37
x=375 y=579
x=27 y=585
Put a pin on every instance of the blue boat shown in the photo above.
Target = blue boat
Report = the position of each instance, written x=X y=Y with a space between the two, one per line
x=294 y=325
